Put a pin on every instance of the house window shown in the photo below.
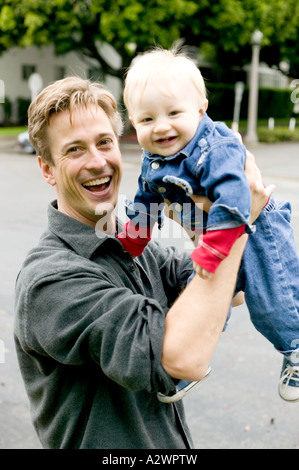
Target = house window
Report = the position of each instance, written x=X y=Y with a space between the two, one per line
x=96 y=75
x=59 y=72
x=27 y=70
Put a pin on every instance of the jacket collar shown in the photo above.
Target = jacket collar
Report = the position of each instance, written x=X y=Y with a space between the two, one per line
x=205 y=127
x=83 y=238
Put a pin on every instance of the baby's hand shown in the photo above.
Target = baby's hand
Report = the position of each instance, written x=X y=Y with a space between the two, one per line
x=203 y=273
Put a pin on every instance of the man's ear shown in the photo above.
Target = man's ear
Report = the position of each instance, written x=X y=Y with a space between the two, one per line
x=46 y=169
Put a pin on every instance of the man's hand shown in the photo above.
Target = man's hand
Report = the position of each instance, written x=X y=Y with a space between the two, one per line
x=202 y=202
x=203 y=273
x=259 y=198
x=259 y=193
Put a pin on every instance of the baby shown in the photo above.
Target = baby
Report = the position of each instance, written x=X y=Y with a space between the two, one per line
x=186 y=154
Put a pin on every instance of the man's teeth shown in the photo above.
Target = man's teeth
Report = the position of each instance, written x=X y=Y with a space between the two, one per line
x=97 y=181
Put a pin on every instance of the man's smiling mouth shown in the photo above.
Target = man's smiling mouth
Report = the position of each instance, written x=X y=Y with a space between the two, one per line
x=97 y=185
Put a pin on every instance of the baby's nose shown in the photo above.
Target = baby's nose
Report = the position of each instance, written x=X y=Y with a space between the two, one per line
x=162 y=126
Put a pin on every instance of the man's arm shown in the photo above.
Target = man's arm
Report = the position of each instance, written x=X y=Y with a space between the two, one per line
x=195 y=321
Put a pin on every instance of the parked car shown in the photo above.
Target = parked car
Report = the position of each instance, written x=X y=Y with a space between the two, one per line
x=23 y=143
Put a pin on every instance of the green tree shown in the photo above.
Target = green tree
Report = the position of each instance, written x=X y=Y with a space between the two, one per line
x=130 y=26
x=221 y=28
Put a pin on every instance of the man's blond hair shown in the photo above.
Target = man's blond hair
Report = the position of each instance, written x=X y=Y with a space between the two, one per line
x=161 y=67
x=67 y=94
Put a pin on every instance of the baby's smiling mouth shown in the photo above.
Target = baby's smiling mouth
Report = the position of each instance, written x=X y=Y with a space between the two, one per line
x=166 y=140
x=97 y=185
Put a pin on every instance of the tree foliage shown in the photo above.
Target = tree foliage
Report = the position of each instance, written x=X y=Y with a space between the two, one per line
x=83 y=25
x=221 y=28
x=224 y=28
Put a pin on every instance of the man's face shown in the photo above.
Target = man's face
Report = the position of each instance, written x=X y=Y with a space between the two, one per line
x=87 y=165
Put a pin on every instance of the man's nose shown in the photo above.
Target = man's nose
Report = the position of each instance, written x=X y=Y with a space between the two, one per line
x=96 y=158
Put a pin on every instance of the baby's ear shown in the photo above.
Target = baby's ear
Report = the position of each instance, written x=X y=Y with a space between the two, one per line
x=204 y=107
x=132 y=122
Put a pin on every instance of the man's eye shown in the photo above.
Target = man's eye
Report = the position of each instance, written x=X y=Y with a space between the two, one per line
x=105 y=142
x=73 y=149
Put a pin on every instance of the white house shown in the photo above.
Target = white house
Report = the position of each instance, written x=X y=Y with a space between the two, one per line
x=16 y=66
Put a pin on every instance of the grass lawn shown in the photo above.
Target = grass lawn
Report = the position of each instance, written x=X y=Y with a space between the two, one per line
x=11 y=131
x=280 y=133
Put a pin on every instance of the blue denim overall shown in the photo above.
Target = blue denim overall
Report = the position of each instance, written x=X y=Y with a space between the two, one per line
x=212 y=164
x=269 y=276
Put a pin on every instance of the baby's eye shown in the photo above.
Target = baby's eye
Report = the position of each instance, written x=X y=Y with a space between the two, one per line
x=147 y=119
x=174 y=113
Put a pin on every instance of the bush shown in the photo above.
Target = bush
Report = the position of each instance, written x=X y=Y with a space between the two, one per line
x=7 y=110
x=275 y=103
x=278 y=134
x=22 y=107
x=221 y=101
x=272 y=102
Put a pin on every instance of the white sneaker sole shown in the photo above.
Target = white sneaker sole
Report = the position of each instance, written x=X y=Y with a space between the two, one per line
x=290 y=394
x=181 y=393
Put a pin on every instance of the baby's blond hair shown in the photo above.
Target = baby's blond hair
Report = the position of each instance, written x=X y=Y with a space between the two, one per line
x=162 y=67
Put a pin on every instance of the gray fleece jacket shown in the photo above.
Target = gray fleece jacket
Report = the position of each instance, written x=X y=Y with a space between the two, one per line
x=89 y=328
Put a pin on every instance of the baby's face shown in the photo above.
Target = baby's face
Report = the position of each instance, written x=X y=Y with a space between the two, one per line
x=166 y=121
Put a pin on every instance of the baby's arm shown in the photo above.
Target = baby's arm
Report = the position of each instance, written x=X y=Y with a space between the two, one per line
x=223 y=178
x=213 y=247
x=143 y=213
x=259 y=194
x=134 y=239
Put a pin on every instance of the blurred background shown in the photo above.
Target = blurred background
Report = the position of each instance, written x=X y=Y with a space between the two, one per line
x=238 y=44
x=248 y=53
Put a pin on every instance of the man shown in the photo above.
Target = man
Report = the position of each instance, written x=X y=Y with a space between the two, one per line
x=93 y=339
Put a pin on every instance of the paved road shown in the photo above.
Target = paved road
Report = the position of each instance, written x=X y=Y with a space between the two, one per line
x=238 y=407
